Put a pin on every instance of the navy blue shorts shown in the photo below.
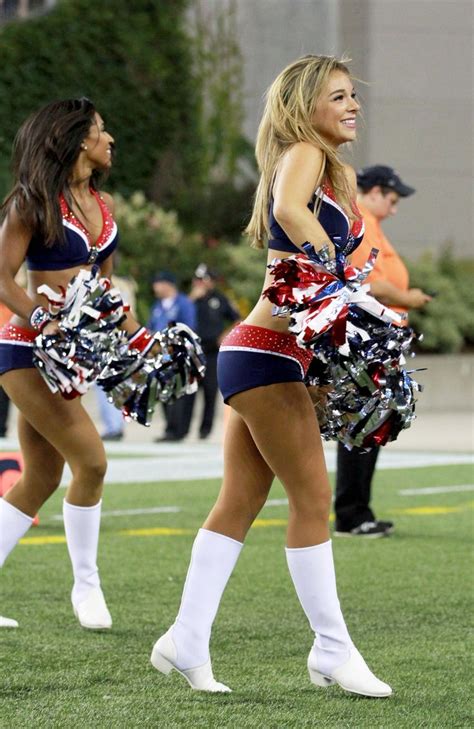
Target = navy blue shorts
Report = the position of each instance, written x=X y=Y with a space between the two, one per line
x=254 y=356
x=16 y=348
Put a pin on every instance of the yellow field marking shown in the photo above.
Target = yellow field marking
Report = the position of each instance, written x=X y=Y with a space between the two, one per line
x=165 y=531
x=262 y=523
x=43 y=540
x=155 y=532
x=258 y=524
x=431 y=510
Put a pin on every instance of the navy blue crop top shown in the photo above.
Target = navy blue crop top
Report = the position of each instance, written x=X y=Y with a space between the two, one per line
x=77 y=249
x=332 y=218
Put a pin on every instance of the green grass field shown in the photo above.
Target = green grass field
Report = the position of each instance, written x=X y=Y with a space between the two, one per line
x=407 y=601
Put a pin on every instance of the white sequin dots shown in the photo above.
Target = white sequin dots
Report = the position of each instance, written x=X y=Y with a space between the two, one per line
x=261 y=339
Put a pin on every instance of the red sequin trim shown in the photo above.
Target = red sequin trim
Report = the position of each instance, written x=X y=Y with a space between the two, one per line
x=107 y=220
x=12 y=333
x=266 y=340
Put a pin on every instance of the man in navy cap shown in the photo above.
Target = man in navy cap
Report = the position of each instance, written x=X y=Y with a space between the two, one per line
x=384 y=177
x=170 y=304
x=380 y=189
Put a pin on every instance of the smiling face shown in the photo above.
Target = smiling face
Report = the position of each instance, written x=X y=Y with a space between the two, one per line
x=98 y=145
x=335 y=116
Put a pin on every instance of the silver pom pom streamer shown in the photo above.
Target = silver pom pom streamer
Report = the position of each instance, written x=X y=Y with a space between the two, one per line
x=359 y=346
x=88 y=313
x=135 y=381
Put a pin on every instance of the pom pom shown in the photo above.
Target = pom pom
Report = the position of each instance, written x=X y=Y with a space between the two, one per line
x=136 y=379
x=359 y=345
x=135 y=371
x=88 y=313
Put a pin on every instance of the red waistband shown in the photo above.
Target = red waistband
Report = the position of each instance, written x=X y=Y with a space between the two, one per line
x=14 y=333
x=249 y=337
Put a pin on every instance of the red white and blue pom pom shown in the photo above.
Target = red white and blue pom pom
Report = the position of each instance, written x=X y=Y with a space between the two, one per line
x=88 y=313
x=135 y=371
x=140 y=376
x=358 y=343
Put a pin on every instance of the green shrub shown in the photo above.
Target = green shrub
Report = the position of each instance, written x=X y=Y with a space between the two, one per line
x=447 y=322
x=166 y=76
x=134 y=60
x=152 y=239
x=222 y=207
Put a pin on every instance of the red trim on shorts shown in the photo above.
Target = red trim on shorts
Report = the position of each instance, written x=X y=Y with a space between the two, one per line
x=13 y=333
x=260 y=339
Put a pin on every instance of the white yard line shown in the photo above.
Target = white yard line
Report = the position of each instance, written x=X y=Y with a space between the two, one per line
x=158 y=510
x=189 y=464
x=437 y=490
x=149 y=462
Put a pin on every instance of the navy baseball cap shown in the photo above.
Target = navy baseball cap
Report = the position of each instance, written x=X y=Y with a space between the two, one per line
x=369 y=177
x=165 y=276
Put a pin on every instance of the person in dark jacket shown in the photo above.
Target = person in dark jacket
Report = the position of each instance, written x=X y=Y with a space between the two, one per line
x=214 y=314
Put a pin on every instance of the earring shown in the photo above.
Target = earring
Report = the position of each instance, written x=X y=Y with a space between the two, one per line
x=84 y=147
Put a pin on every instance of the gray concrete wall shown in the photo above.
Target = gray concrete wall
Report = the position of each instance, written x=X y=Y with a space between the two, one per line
x=416 y=56
x=419 y=115
x=448 y=382
x=272 y=33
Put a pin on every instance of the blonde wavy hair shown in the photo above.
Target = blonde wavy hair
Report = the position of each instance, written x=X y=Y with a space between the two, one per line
x=290 y=105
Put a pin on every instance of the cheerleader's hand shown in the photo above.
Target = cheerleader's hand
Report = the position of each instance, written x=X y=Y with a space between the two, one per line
x=318 y=395
x=52 y=329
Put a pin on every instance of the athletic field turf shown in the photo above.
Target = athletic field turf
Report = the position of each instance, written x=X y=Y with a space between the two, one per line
x=407 y=600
